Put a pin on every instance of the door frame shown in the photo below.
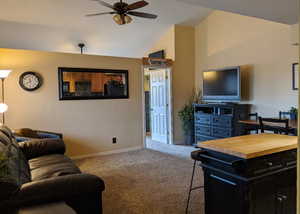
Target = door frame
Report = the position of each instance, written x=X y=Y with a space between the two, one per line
x=168 y=66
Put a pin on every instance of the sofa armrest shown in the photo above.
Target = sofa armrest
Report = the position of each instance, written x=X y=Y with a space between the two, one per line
x=59 y=188
x=39 y=147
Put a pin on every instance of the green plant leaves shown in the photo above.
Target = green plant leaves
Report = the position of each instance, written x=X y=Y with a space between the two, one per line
x=186 y=114
x=294 y=110
x=187 y=117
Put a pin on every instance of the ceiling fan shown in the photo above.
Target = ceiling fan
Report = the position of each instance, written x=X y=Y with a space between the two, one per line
x=122 y=11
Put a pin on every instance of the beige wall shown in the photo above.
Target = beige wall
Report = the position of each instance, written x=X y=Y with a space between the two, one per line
x=88 y=125
x=263 y=49
x=298 y=156
x=226 y=39
x=179 y=44
x=183 y=73
x=166 y=43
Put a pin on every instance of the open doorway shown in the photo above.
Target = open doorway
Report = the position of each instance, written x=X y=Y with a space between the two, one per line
x=157 y=105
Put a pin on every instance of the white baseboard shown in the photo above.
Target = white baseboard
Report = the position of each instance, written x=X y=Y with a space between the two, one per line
x=107 y=153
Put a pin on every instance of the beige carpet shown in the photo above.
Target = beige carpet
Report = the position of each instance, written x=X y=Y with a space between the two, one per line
x=145 y=181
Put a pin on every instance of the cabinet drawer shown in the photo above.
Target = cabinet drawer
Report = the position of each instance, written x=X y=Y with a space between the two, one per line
x=202 y=119
x=272 y=162
x=222 y=121
x=202 y=130
x=219 y=132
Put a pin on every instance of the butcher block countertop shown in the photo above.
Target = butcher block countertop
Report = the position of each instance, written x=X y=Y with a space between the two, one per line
x=252 y=146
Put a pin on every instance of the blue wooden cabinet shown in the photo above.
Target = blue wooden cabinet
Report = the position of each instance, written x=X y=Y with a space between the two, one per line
x=214 y=121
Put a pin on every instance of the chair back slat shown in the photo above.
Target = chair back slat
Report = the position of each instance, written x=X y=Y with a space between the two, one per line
x=284 y=115
x=254 y=115
x=277 y=126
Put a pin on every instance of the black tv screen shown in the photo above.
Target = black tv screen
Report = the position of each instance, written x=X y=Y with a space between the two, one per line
x=222 y=85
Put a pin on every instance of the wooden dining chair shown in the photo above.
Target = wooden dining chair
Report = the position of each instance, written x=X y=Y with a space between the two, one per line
x=252 y=116
x=284 y=115
x=278 y=126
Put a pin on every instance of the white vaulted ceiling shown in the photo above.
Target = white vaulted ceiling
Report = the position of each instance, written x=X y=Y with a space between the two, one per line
x=283 y=11
x=59 y=25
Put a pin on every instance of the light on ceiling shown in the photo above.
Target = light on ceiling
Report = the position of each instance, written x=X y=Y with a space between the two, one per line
x=4 y=73
x=118 y=19
x=128 y=19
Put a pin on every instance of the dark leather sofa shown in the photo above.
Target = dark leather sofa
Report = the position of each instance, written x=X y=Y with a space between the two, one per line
x=37 y=172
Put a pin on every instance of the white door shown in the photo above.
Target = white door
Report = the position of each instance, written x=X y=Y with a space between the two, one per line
x=159 y=105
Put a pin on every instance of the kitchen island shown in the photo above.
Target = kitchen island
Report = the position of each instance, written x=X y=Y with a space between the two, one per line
x=252 y=174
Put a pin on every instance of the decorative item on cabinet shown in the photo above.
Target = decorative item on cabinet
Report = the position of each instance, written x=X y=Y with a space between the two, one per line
x=157 y=55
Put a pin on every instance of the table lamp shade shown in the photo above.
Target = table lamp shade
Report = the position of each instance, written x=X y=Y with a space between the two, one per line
x=4 y=73
x=3 y=107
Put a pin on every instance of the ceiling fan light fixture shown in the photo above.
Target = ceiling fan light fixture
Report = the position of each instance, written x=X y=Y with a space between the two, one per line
x=118 y=19
x=128 y=19
x=122 y=10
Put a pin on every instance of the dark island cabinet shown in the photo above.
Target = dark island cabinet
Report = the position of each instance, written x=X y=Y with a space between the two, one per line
x=214 y=121
x=245 y=188
x=269 y=196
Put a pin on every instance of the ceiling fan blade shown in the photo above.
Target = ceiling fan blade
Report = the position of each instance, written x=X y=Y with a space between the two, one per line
x=98 y=14
x=136 y=5
x=104 y=4
x=143 y=15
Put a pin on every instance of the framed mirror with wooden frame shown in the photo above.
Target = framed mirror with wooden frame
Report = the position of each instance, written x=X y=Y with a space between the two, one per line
x=89 y=83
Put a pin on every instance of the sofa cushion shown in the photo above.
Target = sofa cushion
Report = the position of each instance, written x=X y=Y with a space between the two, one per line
x=9 y=182
x=41 y=147
x=49 y=208
x=6 y=131
x=4 y=139
x=51 y=166
x=17 y=163
x=14 y=170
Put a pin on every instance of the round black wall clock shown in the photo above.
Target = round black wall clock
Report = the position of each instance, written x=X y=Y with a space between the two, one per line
x=30 y=81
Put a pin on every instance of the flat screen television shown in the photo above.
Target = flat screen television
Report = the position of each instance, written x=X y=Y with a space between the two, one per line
x=222 y=85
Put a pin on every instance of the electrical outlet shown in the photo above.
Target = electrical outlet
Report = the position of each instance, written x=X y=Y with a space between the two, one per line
x=114 y=140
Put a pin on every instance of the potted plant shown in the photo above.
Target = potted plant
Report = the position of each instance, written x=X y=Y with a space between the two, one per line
x=115 y=88
x=294 y=113
x=186 y=115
